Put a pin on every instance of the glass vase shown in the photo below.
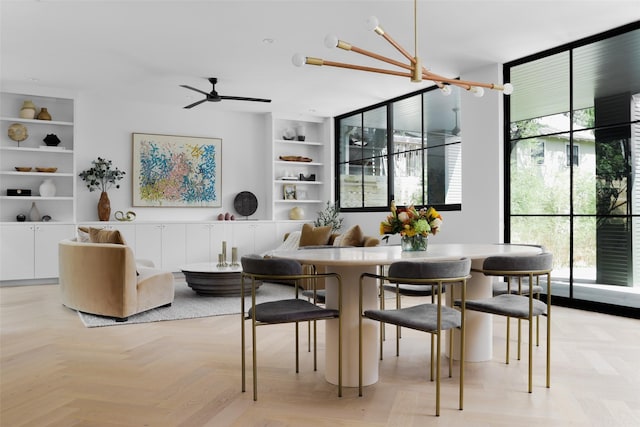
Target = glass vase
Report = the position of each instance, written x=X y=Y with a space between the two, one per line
x=413 y=243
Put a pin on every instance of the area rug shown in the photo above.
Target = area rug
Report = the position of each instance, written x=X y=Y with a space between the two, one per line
x=189 y=305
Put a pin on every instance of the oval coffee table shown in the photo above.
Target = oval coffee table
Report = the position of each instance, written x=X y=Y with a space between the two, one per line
x=208 y=279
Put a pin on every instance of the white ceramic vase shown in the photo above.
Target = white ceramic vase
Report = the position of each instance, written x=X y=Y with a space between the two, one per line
x=34 y=213
x=47 y=188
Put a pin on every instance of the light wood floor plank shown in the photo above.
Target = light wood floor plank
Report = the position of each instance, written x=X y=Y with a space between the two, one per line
x=56 y=372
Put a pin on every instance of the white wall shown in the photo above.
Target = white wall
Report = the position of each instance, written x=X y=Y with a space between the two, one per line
x=482 y=216
x=104 y=127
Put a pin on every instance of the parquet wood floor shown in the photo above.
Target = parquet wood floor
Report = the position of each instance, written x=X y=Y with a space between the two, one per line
x=56 y=372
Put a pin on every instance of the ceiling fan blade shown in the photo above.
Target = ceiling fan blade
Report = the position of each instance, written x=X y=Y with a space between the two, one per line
x=193 y=88
x=241 y=98
x=196 y=103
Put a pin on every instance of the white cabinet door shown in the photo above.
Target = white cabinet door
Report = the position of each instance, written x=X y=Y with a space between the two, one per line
x=173 y=246
x=164 y=244
x=198 y=247
x=46 y=238
x=204 y=241
x=31 y=251
x=254 y=238
x=265 y=238
x=16 y=257
x=149 y=243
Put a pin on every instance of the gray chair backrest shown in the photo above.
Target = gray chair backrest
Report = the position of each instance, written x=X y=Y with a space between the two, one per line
x=538 y=262
x=256 y=264
x=446 y=269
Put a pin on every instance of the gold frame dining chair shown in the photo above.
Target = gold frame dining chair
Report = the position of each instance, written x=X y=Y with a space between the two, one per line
x=291 y=310
x=520 y=303
x=430 y=318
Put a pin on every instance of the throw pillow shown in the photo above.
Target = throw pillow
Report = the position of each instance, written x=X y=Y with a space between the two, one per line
x=352 y=237
x=97 y=235
x=82 y=235
x=314 y=236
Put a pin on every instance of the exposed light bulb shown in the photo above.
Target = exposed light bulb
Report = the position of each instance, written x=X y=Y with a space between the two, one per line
x=298 y=60
x=331 y=41
x=477 y=91
x=445 y=90
x=507 y=89
x=372 y=23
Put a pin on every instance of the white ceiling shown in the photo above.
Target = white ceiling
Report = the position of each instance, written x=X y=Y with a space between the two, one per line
x=143 y=50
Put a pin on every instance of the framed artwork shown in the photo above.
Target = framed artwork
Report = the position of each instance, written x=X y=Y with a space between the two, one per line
x=176 y=171
x=289 y=192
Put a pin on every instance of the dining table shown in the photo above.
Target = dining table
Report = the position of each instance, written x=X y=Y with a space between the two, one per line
x=351 y=262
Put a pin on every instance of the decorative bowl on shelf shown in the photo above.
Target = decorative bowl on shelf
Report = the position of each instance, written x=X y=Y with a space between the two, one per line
x=48 y=170
x=23 y=168
x=296 y=159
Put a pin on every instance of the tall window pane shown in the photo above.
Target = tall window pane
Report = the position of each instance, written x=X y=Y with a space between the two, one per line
x=574 y=159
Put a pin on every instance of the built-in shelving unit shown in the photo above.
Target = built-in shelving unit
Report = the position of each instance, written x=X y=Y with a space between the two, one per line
x=34 y=153
x=307 y=177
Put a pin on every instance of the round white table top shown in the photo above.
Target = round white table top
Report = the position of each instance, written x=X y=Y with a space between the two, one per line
x=210 y=267
x=384 y=255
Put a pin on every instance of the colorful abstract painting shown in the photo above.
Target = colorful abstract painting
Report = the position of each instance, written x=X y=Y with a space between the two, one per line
x=176 y=171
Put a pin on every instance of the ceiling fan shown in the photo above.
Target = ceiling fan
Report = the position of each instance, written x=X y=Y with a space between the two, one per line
x=214 y=97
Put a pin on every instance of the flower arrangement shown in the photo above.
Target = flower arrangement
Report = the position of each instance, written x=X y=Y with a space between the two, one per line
x=101 y=175
x=410 y=221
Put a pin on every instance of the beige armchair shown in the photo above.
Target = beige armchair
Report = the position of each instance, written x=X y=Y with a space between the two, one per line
x=104 y=279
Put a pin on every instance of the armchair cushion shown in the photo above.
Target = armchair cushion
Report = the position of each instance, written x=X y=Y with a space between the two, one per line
x=97 y=235
x=352 y=237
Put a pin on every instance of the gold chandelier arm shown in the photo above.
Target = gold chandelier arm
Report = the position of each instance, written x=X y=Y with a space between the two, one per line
x=399 y=48
x=378 y=57
x=318 y=61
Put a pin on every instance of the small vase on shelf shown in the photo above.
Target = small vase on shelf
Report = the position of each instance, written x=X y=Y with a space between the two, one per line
x=28 y=110
x=413 y=243
x=104 y=207
x=34 y=213
x=47 y=188
x=44 y=114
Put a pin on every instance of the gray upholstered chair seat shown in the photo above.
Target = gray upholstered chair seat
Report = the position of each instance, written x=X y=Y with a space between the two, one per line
x=423 y=317
x=290 y=310
x=508 y=305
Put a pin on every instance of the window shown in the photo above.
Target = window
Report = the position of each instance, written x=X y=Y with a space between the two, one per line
x=581 y=198
x=575 y=160
x=537 y=153
x=407 y=149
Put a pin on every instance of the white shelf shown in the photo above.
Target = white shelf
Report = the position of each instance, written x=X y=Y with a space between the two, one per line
x=39 y=150
x=284 y=162
x=297 y=182
x=286 y=141
x=46 y=174
x=295 y=201
x=36 y=198
x=35 y=121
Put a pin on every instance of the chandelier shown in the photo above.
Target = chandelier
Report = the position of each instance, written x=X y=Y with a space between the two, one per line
x=413 y=69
